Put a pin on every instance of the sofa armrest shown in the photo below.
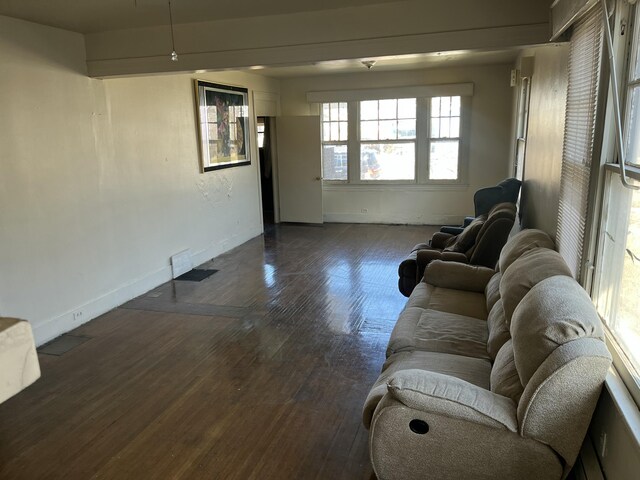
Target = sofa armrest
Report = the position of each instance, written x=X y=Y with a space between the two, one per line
x=440 y=239
x=460 y=276
x=452 y=397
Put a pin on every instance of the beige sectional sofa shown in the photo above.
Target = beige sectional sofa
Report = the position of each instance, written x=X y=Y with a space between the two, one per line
x=489 y=373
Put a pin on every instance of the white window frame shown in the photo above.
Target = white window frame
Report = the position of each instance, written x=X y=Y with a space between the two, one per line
x=334 y=142
x=625 y=15
x=422 y=144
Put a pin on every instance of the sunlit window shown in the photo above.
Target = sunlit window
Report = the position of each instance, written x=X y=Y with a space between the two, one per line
x=617 y=280
x=618 y=299
x=334 y=140
x=400 y=140
x=444 y=138
x=387 y=139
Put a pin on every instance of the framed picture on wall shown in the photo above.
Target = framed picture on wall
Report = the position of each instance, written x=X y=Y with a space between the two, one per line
x=223 y=125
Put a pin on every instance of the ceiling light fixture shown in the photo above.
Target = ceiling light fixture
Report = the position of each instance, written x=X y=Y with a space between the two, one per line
x=174 y=55
x=368 y=63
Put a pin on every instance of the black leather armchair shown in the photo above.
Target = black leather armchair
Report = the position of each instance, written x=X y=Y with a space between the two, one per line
x=485 y=199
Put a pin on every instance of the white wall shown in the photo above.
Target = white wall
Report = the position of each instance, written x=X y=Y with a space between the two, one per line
x=489 y=136
x=100 y=181
x=545 y=137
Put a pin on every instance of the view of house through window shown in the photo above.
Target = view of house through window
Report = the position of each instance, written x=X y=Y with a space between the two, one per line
x=334 y=140
x=390 y=143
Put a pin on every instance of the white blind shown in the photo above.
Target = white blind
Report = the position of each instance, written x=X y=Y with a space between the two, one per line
x=585 y=59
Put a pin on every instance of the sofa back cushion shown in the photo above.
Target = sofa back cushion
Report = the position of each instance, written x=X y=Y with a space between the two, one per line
x=467 y=239
x=532 y=267
x=505 y=380
x=556 y=311
x=492 y=291
x=498 y=330
x=522 y=242
x=493 y=235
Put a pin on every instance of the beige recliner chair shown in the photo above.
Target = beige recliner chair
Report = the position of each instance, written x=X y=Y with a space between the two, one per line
x=478 y=244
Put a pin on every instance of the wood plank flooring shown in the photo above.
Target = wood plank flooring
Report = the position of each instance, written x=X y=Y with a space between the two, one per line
x=258 y=372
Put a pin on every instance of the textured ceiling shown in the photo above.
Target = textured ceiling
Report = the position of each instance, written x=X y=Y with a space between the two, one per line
x=90 y=16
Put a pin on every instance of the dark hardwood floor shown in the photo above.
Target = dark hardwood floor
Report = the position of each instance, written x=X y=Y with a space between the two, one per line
x=258 y=372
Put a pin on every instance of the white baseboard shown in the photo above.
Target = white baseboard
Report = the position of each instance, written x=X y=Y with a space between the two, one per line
x=49 y=329
x=56 y=326
x=403 y=219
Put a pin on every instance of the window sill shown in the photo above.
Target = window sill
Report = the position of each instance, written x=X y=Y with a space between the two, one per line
x=624 y=403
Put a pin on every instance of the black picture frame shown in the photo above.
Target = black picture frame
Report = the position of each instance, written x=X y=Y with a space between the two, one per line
x=223 y=125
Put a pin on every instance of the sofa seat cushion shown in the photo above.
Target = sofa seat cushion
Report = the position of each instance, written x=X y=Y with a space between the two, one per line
x=476 y=371
x=470 y=304
x=443 y=332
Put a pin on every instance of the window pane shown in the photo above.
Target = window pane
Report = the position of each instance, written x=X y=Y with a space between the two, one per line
x=406 y=129
x=619 y=278
x=407 y=108
x=343 y=111
x=435 y=107
x=343 y=131
x=633 y=122
x=369 y=130
x=335 y=131
x=435 y=128
x=388 y=109
x=445 y=106
x=387 y=161
x=326 y=132
x=455 y=106
x=369 y=110
x=325 y=112
x=444 y=127
x=334 y=162
x=334 y=112
x=443 y=161
x=388 y=129
x=455 y=127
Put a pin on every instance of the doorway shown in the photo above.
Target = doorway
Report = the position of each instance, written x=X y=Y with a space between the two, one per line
x=265 y=151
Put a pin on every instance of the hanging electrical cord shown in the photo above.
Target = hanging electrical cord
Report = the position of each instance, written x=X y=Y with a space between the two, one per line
x=174 y=55
x=616 y=99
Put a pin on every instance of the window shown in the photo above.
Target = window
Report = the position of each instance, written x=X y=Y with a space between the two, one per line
x=405 y=140
x=334 y=140
x=618 y=299
x=617 y=274
x=388 y=139
x=444 y=138
x=260 y=132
